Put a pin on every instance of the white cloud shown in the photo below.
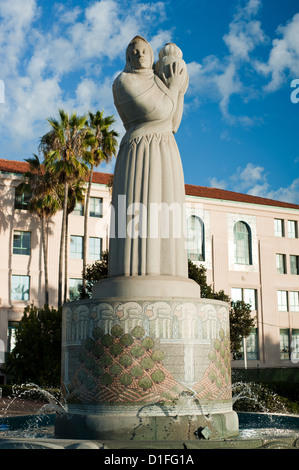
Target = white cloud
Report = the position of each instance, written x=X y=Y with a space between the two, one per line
x=220 y=79
x=253 y=179
x=16 y=18
x=219 y=184
x=36 y=63
x=245 y=33
x=283 y=57
x=250 y=175
x=287 y=194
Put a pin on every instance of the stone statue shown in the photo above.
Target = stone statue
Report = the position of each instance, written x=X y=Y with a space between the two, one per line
x=147 y=230
x=147 y=301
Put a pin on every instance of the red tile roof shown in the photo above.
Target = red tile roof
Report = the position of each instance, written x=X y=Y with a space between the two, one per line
x=223 y=194
x=11 y=166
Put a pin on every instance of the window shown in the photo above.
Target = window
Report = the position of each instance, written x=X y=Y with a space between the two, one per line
x=195 y=230
x=294 y=301
x=249 y=296
x=281 y=263
x=20 y=287
x=295 y=346
x=11 y=335
x=284 y=344
x=78 y=210
x=236 y=294
x=21 y=243
x=95 y=248
x=282 y=299
x=74 y=285
x=294 y=264
x=288 y=301
x=96 y=207
x=279 y=227
x=21 y=199
x=242 y=241
x=76 y=247
x=252 y=345
x=292 y=229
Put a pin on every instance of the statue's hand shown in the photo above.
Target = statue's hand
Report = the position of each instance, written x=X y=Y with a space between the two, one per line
x=175 y=79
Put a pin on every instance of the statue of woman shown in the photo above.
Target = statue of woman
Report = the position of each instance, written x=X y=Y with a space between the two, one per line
x=147 y=225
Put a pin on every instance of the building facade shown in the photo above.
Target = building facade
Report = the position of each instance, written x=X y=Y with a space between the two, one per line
x=248 y=245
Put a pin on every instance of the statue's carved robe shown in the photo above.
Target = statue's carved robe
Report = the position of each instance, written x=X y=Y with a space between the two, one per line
x=148 y=172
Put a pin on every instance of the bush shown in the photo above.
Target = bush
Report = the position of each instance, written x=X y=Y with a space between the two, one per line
x=36 y=356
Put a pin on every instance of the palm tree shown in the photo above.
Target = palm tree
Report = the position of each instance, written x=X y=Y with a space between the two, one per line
x=102 y=145
x=75 y=193
x=44 y=201
x=63 y=147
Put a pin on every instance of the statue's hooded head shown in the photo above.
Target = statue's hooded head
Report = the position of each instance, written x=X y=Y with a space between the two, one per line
x=139 y=55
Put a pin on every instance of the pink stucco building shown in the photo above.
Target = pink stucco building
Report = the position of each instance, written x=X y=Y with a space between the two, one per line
x=249 y=246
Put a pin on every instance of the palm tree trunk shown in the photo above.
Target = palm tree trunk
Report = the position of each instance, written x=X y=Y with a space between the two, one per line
x=86 y=215
x=45 y=251
x=66 y=253
x=62 y=240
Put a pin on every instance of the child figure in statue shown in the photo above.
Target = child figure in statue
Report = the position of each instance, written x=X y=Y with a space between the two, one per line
x=171 y=54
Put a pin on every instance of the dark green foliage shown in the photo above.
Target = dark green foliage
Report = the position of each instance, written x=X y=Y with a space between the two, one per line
x=37 y=355
x=93 y=273
x=198 y=274
x=241 y=321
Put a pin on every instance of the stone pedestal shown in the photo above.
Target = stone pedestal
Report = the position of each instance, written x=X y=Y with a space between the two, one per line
x=143 y=364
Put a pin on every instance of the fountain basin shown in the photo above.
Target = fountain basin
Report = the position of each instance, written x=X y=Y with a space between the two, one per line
x=282 y=432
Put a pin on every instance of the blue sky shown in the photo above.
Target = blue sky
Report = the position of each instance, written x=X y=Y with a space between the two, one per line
x=240 y=128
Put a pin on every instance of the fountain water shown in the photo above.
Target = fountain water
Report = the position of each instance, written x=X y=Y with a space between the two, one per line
x=256 y=429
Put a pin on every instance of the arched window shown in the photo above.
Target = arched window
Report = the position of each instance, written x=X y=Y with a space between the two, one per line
x=195 y=230
x=242 y=241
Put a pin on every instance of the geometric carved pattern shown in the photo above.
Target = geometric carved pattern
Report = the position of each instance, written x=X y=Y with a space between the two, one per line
x=141 y=352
